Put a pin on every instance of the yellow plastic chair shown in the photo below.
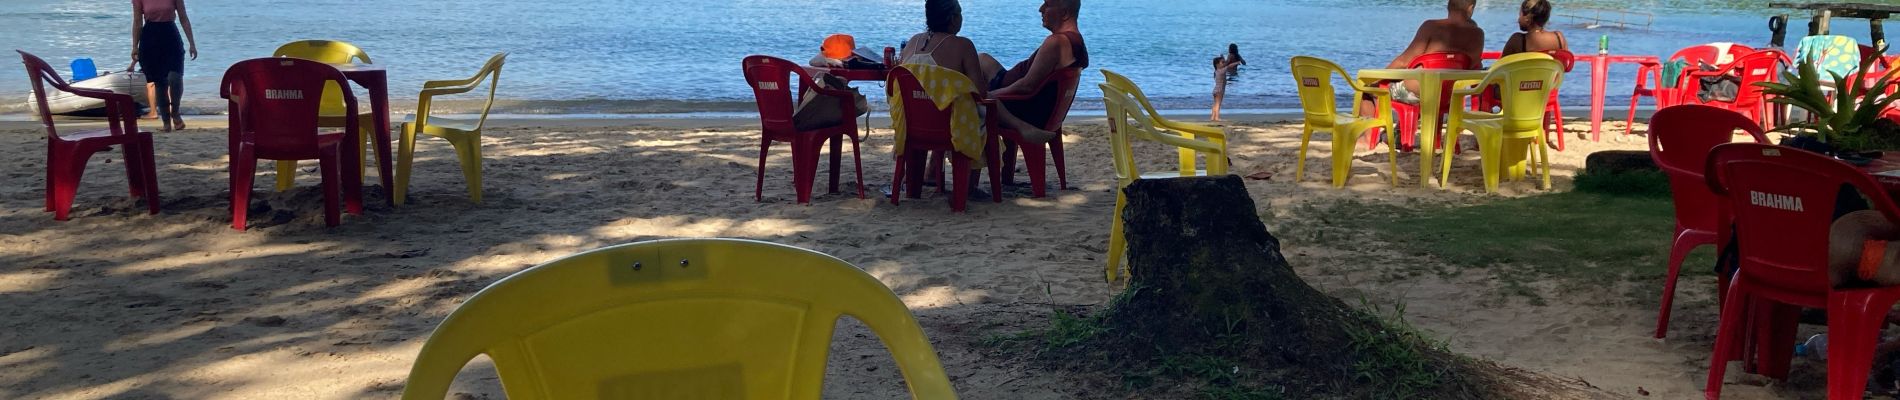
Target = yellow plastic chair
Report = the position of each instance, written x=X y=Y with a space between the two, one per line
x=330 y=113
x=465 y=135
x=1184 y=129
x=1129 y=121
x=673 y=319
x=1525 y=81
x=1314 y=79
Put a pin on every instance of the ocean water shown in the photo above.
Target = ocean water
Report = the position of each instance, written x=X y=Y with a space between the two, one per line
x=664 y=56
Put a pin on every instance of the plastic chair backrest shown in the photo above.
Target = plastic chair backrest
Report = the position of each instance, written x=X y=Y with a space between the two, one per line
x=923 y=121
x=1128 y=86
x=770 y=78
x=492 y=71
x=121 y=114
x=1679 y=141
x=84 y=69
x=1758 y=66
x=1129 y=122
x=327 y=52
x=1524 y=82
x=1063 y=82
x=1783 y=202
x=41 y=75
x=673 y=319
x=1563 y=56
x=276 y=102
x=1705 y=53
x=1313 y=79
x=1445 y=60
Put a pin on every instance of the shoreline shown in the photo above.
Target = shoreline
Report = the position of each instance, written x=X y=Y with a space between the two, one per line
x=710 y=119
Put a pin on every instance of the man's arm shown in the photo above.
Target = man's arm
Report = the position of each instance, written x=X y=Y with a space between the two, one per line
x=1420 y=41
x=1051 y=53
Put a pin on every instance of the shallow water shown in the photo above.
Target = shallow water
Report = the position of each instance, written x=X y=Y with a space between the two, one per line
x=653 y=56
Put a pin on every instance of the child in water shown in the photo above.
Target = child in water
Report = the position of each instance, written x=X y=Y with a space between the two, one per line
x=1226 y=67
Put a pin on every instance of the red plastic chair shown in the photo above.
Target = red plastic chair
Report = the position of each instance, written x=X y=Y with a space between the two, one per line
x=1667 y=94
x=66 y=155
x=770 y=78
x=1756 y=66
x=1062 y=82
x=927 y=129
x=1679 y=140
x=1406 y=115
x=274 y=104
x=1783 y=200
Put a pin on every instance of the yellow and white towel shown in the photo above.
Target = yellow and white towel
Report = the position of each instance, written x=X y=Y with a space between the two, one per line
x=948 y=90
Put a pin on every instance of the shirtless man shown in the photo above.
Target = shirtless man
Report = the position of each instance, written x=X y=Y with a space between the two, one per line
x=1455 y=33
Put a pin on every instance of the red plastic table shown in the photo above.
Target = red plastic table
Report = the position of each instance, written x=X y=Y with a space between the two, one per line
x=375 y=79
x=1599 y=71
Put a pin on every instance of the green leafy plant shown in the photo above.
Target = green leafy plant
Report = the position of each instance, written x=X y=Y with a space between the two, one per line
x=1848 y=120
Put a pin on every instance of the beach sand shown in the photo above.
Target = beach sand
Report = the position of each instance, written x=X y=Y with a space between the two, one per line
x=119 y=304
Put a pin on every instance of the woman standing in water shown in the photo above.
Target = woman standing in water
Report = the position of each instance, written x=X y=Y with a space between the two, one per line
x=157 y=47
x=1225 y=68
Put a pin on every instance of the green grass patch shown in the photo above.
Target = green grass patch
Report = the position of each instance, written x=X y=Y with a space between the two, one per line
x=1626 y=183
x=1393 y=360
x=1571 y=234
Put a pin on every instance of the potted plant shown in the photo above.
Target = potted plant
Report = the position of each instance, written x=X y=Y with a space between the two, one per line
x=1848 y=124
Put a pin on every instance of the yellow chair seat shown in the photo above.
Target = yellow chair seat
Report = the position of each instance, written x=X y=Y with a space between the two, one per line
x=673 y=319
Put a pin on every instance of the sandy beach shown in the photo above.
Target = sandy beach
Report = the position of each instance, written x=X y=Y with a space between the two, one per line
x=119 y=304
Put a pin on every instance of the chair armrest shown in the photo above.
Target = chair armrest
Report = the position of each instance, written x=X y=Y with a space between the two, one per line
x=1013 y=97
x=99 y=94
x=1193 y=128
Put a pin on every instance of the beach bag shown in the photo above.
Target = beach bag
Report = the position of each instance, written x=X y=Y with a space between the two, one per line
x=1719 y=88
x=817 y=111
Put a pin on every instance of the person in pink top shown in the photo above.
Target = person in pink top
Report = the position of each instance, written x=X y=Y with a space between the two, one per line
x=156 y=46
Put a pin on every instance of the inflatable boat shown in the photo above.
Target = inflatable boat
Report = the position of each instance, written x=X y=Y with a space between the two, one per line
x=62 y=103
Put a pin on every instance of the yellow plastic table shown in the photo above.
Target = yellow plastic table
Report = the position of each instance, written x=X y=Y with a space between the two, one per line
x=1430 y=88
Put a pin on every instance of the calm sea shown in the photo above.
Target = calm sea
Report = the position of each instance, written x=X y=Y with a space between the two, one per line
x=665 y=56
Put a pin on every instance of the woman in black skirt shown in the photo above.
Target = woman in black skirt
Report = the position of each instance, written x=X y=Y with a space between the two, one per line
x=157 y=47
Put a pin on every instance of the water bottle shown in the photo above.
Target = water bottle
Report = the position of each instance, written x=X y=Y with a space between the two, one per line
x=1814 y=349
x=1603 y=45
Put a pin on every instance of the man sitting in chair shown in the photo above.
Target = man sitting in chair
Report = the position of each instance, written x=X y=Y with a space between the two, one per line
x=1456 y=33
x=1063 y=48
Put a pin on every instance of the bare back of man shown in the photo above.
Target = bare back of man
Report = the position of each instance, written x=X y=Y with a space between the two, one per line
x=1456 y=33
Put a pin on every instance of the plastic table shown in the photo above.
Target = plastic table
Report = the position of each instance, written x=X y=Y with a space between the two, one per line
x=1599 y=72
x=1430 y=87
x=375 y=79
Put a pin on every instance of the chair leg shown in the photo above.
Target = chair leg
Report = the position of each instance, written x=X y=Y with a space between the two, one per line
x=1062 y=172
x=1117 y=245
x=1728 y=332
x=405 y=158
x=1557 y=119
x=149 y=157
x=286 y=174
x=134 y=178
x=1033 y=158
x=897 y=177
x=1543 y=159
x=959 y=176
x=805 y=155
x=469 y=150
x=1392 y=156
x=1491 y=149
x=1853 y=332
x=1299 y=163
x=996 y=173
x=1454 y=125
x=1341 y=156
x=72 y=169
x=243 y=169
x=327 y=166
x=858 y=160
x=53 y=175
x=918 y=161
x=758 y=192
x=1678 y=251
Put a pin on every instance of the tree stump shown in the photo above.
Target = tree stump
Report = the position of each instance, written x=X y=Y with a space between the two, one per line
x=1208 y=279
